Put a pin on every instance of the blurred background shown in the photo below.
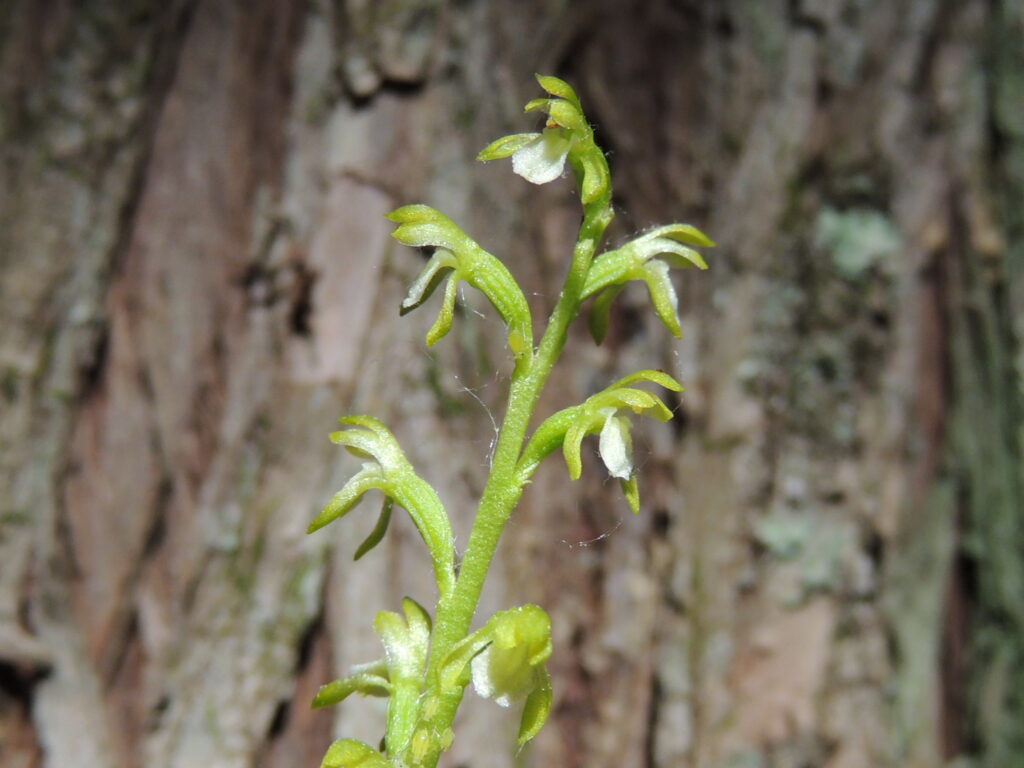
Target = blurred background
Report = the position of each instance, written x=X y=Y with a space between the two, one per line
x=196 y=280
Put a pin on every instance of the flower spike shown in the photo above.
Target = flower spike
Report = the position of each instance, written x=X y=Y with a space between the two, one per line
x=390 y=471
x=457 y=257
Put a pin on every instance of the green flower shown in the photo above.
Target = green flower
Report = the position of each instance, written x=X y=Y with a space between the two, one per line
x=505 y=660
x=566 y=137
x=645 y=258
x=599 y=414
x=390 y=472
x=406 y=641
x=457 y=257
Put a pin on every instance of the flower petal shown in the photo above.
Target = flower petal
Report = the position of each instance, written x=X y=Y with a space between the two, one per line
x=543 y=159
x=433 y=273
x=616 y=447
x=663 y=294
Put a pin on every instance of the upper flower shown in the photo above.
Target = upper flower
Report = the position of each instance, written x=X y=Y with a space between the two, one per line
x=566 y=137
x=542 y=159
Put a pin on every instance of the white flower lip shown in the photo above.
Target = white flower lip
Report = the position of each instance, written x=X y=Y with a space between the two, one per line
x=543 y=159
x=615 y=447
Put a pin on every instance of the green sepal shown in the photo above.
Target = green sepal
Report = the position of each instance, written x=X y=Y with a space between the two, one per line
x=567 y=115
x=458 y=258
x=406 y=645
x=631 y=491
x=349 y=753
x=391 y=473
x=536 y=105
x=663 y=294
x=506 y=146
x=443 y=323
x=377 y=534
x=649 y=374
x=536 y=709
x=596 y=178
x=600 y=314
x=367 y=679
x=438 y=267
x=558 y=87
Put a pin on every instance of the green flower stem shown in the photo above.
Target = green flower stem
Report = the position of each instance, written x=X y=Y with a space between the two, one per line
x=503 y=489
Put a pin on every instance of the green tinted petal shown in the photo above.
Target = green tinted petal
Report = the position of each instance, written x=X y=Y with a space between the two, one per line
x=412 y=213
x=419 y=623
x=370 y=681
x=455 y=670
x=544 y=440
x=601 y=311
x=571 y=445
x=377 y=534
x=648 y=374
x=437 y=268
x=426 y=234
x=663 y=294
x=684 y=233
x=492 y=278
x=535 y=105
x=637 y=400
x=343 y=501
x=443 y=323
x=567 y=115
x=420 y=500
x=596 y=182
x=505 y=146
x=676 y=255
x=421 y=225
x=632 y=492
x=609 y=268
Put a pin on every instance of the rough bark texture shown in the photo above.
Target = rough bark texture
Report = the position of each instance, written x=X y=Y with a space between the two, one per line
x=196 y=279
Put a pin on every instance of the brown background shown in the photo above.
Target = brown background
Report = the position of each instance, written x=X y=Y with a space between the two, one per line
x=197 y=280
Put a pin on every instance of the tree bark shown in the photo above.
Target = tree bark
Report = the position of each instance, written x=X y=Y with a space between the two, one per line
x=196 y=279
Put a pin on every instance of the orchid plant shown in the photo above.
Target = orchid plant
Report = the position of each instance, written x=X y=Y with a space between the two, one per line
x=428 y=662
